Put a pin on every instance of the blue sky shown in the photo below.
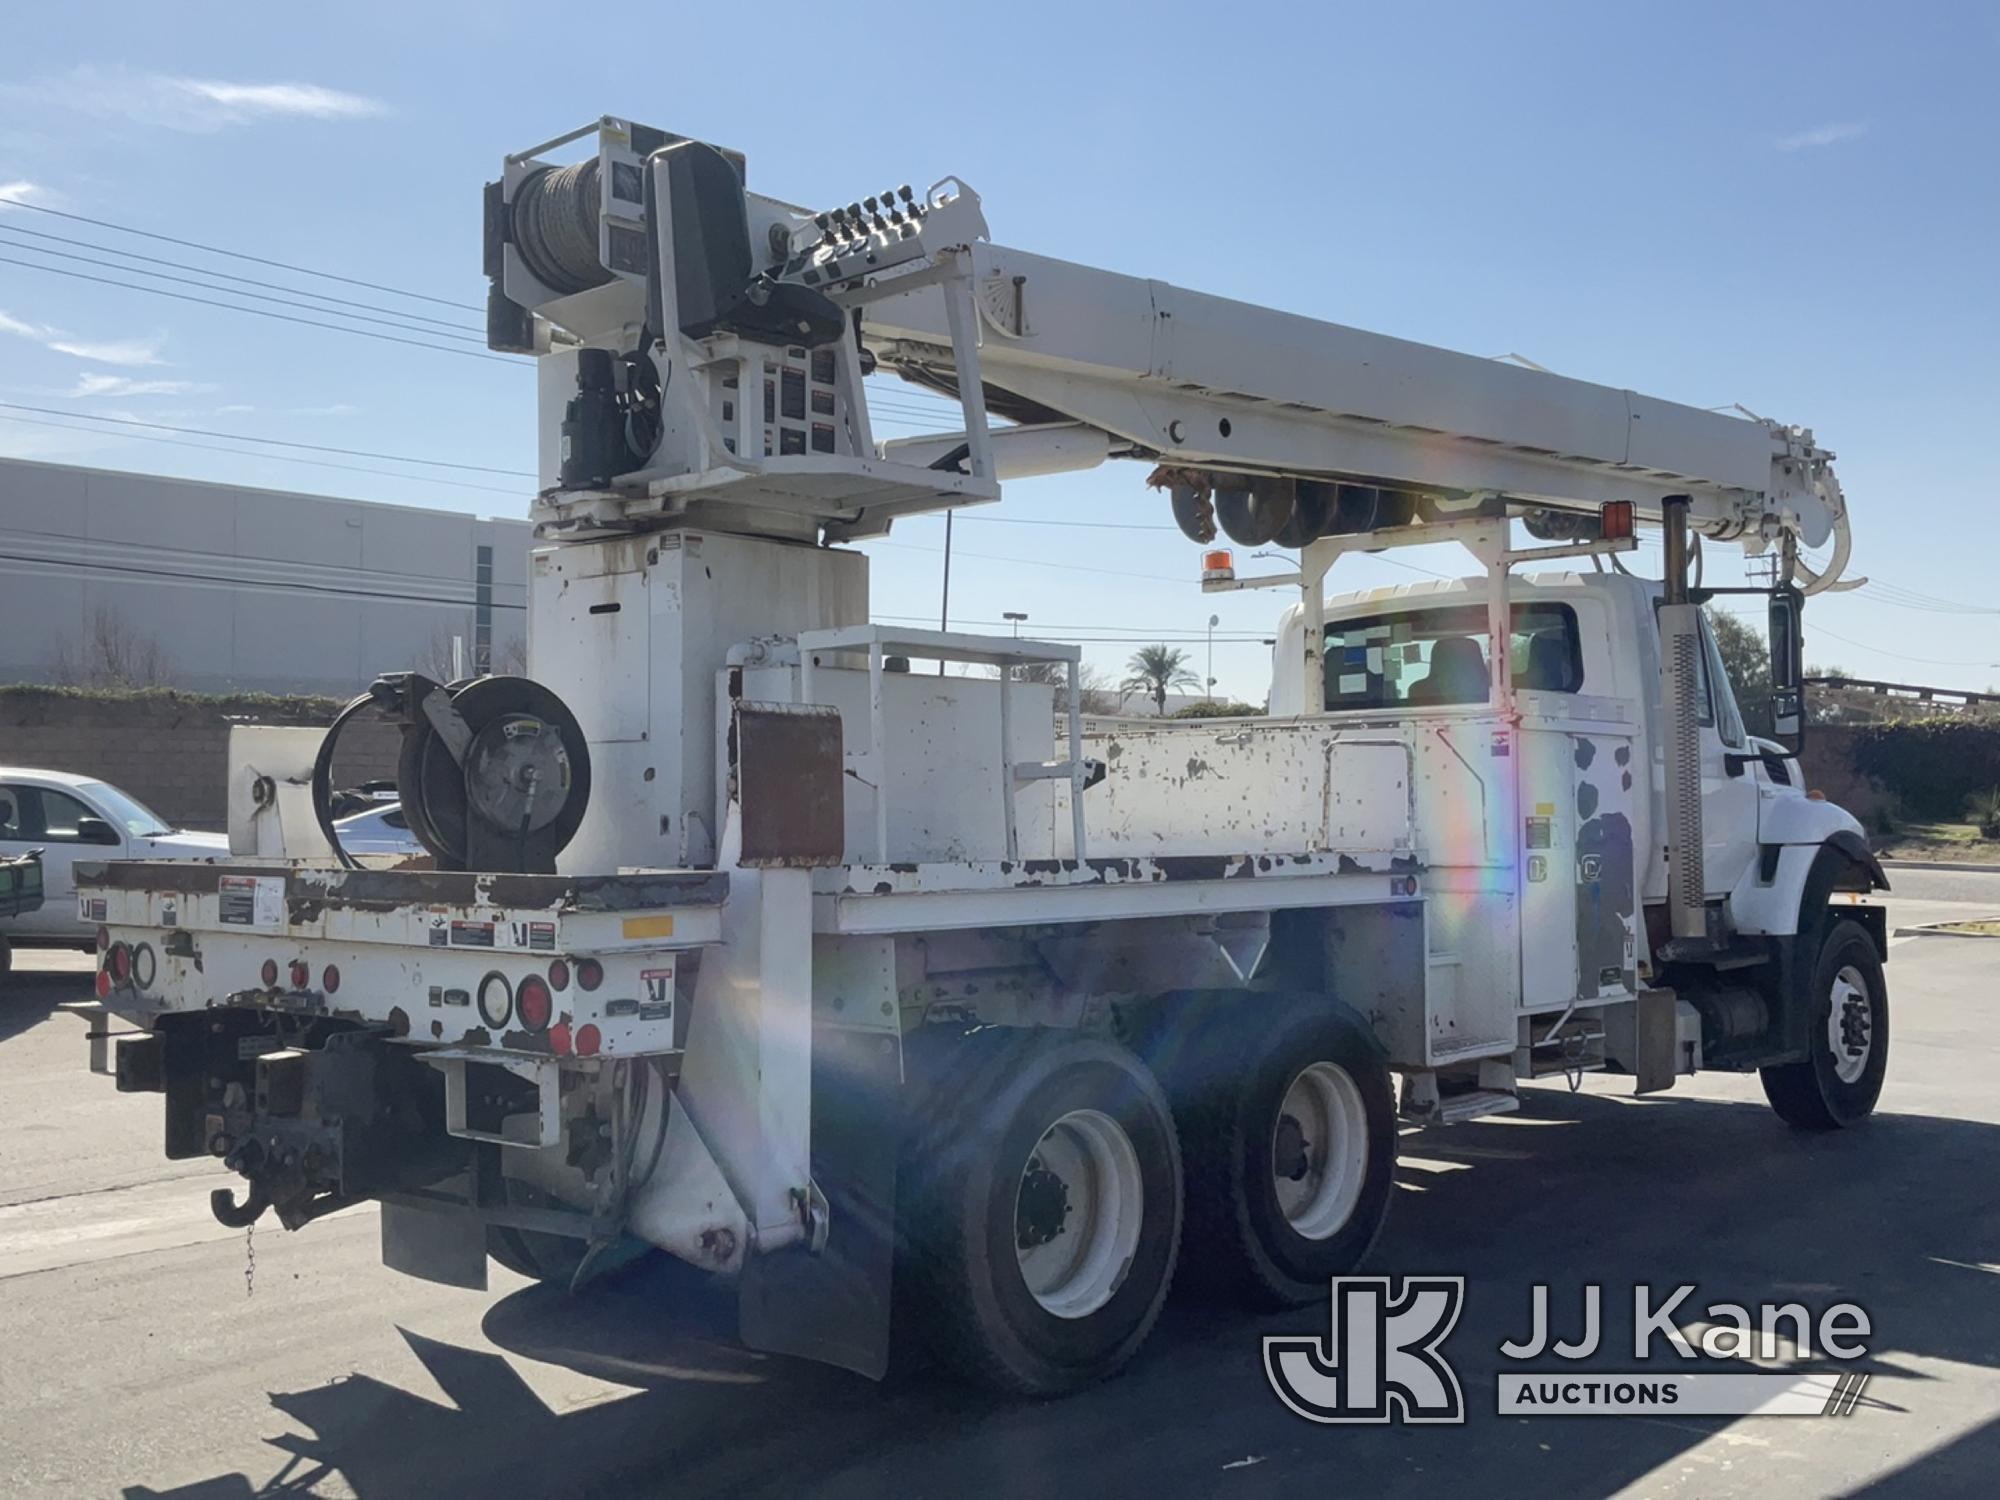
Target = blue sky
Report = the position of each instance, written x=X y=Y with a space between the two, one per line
x=1789 y=206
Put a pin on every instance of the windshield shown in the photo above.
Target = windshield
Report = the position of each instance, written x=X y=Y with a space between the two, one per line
x=138 y=819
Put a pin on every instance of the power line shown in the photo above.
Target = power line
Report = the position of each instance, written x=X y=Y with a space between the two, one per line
x=282 y=458
x=283 y=587
x=1928 y=661
x=158 y=291
x=275 y=286
x=238 y=437
x=1035 y=562
x=111 y=265
x=373 y=286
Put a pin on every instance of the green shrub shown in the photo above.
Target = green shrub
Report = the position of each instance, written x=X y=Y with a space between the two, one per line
x=1983 y=808
x=1933 y=766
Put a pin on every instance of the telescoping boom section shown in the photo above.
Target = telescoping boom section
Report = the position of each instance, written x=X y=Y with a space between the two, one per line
x=857 y=964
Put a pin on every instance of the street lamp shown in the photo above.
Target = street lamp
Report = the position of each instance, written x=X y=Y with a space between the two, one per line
x=1015 y=618
x=1213 y=621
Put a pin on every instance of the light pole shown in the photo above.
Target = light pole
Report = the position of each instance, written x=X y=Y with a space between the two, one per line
x=1015 y=618
x=1213 y=621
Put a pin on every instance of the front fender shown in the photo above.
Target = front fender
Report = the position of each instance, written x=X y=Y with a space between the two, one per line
x=1794 y=830
x=1791 y=817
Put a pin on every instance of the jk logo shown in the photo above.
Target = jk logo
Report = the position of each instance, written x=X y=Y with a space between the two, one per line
x=1379 y=1361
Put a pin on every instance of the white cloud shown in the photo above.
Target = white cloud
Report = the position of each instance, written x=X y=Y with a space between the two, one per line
x=338 y=409
x=250 y=99
x=234 y=409
x=133 y=351
x=23 y=191
x=145 y=351
x=193 y=106
x=1831 y=134
x=92 y=383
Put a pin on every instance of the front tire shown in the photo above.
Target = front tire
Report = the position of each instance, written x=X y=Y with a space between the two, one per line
x=1288 y=1129
x=1041 y=1210
x=1847 y=1038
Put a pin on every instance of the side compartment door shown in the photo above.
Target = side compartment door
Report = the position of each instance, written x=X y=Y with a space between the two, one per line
x=1605 y=870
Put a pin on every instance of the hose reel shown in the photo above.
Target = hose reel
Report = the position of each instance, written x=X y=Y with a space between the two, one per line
x=494 y=773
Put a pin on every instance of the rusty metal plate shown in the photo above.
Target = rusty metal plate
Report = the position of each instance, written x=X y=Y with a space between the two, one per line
x=789 y=784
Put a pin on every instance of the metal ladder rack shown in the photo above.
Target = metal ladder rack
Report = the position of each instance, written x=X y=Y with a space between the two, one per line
x=1002 y=652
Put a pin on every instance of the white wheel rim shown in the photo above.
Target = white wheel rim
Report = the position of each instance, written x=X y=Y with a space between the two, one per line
x=1319 y=1151
x=1077 y=1213
x=1850 y=1025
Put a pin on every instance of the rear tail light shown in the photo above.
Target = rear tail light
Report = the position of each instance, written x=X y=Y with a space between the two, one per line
x=1616 y=519
x=588 y=1040
x=302 y=974
x=103 y=939
x=534 y=1004
x=269 y=973
x=118 y=963
x=590 y=973
x=330 y=980
x=496 y=1001
x=103 y=984
x=559 y=974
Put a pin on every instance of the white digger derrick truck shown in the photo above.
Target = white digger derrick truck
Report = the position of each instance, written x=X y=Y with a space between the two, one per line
x=859 y=985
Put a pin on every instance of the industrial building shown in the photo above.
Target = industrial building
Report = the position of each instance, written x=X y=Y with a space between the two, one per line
x=112 y=576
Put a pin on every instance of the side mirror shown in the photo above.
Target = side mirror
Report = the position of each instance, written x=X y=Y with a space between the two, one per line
x=95 y=831
x=1788 y=717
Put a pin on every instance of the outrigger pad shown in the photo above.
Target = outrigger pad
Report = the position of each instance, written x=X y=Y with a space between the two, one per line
x=788 y=769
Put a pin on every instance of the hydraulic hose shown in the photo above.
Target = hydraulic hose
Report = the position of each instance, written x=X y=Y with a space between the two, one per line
x=322 y=780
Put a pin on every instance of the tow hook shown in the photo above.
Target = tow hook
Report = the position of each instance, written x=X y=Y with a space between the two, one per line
x=232 y=1215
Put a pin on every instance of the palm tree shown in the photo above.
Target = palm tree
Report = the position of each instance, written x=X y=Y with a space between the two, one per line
x=1157 y=671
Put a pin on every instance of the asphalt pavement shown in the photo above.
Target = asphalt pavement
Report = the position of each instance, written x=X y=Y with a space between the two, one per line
x=145 y=1350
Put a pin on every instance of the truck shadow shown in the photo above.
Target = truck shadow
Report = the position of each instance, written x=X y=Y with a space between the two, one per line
x=29 y=996
x=1898 y=1217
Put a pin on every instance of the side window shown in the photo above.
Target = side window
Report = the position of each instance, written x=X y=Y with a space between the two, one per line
x=61 y=813
x=13 y=812
x=1719 y=695
x=1440 y=656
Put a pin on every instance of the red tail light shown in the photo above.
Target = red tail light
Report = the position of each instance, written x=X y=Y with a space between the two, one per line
x=103 y=938
x=588 y=1040
x=269 y=973
x=559 y=974
x=330 y=980
x=534 y=1004
x=118 y=963
x=559 y=1042
x=590 y=973
x=302 y=974
x=103 y=984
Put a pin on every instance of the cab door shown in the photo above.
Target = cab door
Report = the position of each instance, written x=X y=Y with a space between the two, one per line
x=66 y=830
x=1728 y=786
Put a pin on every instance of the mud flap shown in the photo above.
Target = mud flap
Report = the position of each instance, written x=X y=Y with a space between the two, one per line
x=1657 y=1060
x=442 y=1245
x=834 y=1306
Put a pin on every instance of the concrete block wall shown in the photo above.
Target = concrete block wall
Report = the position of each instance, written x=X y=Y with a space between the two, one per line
x=169 y=750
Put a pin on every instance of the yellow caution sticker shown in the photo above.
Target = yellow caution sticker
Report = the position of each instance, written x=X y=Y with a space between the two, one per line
x=650 y=927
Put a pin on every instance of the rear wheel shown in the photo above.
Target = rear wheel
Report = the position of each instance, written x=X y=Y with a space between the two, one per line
x=534 y=1253
x=1041 y=1210
x=1847 y=1037
x=1288 y=1131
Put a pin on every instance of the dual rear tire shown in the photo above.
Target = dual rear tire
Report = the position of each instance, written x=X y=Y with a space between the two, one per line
x=1053 y=1183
